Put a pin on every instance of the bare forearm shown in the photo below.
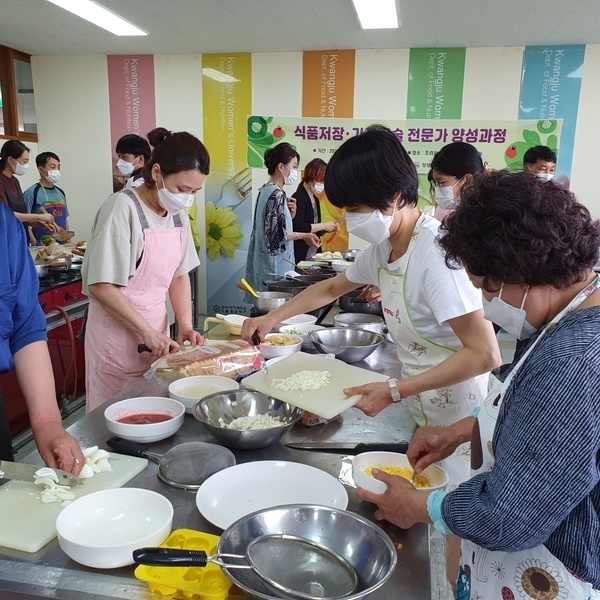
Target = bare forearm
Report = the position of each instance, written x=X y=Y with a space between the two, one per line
x=114 y=302
x=180 y=293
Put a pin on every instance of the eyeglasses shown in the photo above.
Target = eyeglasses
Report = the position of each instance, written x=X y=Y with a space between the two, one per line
x=443 y=183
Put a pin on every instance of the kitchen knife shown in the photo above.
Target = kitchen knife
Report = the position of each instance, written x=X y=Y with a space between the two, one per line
x=350 y=447
x=23 y=472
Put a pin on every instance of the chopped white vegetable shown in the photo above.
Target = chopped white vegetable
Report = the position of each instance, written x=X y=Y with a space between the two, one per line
x=303 y=381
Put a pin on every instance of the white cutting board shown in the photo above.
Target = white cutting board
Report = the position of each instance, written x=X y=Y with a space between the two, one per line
x=326 y=402
x=28 y=524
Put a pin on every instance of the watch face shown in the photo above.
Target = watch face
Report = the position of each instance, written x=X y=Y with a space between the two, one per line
x=393 y=383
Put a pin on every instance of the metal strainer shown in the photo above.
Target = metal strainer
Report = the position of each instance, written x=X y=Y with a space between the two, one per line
x=185 y=466
x=310 y=569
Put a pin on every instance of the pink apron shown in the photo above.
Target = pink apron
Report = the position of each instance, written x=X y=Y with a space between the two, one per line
x=532 y=574
x=112 y=361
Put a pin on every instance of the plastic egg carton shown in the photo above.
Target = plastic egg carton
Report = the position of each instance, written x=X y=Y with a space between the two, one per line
x=193 y=583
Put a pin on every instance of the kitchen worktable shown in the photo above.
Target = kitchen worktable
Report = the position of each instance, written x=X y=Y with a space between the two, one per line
x=49 y=573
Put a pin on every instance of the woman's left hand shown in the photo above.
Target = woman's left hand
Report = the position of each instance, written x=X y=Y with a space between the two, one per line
x=190 y=335
x=291 y=204
x=58 y=449
x=401 y=503
x=375 y=397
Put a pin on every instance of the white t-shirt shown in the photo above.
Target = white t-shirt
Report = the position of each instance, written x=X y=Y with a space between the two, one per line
x=117 y=242
x=434 y=293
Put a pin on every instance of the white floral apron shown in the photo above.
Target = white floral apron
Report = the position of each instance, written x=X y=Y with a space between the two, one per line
x=529 y=574
x=418 y=354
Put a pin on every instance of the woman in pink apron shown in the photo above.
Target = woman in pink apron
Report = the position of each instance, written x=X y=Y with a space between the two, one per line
x=433 y=313
x=140 y=252
x=530 y=515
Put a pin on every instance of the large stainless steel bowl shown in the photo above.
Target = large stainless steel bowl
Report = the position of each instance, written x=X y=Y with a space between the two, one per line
x=227 y=406
x=360 y=321
x=363 y=544
x=349 y=345
x=267 y=301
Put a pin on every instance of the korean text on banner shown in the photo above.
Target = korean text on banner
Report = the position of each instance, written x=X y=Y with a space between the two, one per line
x=550 y=88
x=435 y=83
x=227 y=101
x=328 y=84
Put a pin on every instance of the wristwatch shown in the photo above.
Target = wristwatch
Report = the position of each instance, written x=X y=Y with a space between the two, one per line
x=393 y=383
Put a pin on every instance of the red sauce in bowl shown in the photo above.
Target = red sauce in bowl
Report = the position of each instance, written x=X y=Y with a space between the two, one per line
x=144 y=418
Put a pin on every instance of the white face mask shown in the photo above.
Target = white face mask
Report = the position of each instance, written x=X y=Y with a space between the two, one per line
x=292 y=177
x=510 y=318
x=171 y=202
x=444 y=196
x=372 y=227
x=545 y=176
x=19 y=168
x=317 y=188
x=125 y=168
x=53 y=176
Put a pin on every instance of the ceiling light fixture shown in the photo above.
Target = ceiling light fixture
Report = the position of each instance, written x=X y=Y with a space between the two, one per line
x=376 y=14
x=100 y=16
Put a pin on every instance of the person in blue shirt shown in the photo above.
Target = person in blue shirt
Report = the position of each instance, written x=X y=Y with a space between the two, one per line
x=23 y=347
x=46 y=195
x=529 y=517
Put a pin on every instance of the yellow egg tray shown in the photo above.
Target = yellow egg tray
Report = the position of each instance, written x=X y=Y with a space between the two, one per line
x=193 y=583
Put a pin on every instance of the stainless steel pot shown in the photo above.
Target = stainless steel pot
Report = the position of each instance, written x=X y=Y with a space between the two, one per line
x=352 y=254
x=360 y=321
x=294 y=287
x=267 y=301
x=41 y=270
x=351 y=303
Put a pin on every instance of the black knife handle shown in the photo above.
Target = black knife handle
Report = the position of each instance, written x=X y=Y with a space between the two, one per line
x=127 y=447
x=400 y=447
x=143 y=348
x=170 y=557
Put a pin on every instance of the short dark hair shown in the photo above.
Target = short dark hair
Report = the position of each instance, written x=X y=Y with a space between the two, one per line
x=539 y=153
x=42 y=158
x=513 y=228
x=157 y=135
x=314 y=169
x=458 y=159
x=12 y=148
x=371 y=169
x=180 y=151
x=281 y=153
x=134 y=144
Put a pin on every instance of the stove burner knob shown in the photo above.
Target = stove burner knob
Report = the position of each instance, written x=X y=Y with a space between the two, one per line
x=68 y=296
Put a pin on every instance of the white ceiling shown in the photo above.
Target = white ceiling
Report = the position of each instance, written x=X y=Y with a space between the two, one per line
x=38 y=27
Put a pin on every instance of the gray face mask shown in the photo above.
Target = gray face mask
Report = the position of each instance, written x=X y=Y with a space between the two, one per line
x=510 y=318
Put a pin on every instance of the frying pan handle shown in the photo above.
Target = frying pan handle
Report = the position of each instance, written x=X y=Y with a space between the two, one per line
x=127 y=447
x=170 y=557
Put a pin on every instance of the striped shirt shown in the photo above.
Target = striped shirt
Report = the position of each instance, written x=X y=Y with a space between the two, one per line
x=544 y=487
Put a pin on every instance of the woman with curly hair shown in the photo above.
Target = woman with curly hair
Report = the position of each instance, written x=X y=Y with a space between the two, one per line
x=530 y=515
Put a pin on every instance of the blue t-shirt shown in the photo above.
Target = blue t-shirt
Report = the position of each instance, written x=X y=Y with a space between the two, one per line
x=22 y=320
x=53 y=200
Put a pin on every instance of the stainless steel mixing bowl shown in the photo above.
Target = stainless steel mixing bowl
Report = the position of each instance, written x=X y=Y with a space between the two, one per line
x=348 y=344
x=361 y=543
x=242 y=403
x=267 y=301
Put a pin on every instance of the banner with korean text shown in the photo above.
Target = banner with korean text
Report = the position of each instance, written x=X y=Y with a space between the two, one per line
x=550 y=87
x=328 y=92
x=435 y=83
x=495 y=140
x=131 y=99
x=227 y=100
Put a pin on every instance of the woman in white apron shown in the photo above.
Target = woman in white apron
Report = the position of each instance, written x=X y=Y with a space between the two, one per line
x=433 y=313
x=271 y=248
x=141 y=249
x=530 y=515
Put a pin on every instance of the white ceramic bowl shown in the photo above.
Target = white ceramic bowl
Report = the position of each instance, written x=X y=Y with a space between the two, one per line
x=144 y=433
x=189 y=390
x=273 y=351
x=302 y=323
x=438 y=478
x=102 y=529
x=340 y=265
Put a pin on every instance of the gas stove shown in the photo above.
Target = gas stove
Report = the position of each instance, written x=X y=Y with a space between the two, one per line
x=58 y=278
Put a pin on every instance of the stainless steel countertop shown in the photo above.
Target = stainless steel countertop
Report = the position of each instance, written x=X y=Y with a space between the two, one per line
x=49 y=573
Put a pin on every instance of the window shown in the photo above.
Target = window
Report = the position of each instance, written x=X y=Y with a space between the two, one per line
x=17 y=100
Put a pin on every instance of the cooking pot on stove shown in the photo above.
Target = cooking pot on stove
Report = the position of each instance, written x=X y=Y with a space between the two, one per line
x=351 y=303
x=41 y=270
x=372 y=323
x=294 y=287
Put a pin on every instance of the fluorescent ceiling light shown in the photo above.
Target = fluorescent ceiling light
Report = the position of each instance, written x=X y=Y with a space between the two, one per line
x=218 y=76
x=376 y=14
x=100 y=16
